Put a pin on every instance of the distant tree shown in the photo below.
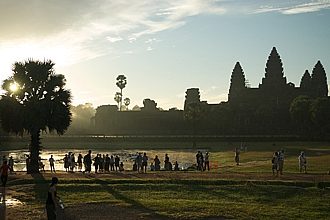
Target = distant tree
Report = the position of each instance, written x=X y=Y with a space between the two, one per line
x=319 y=81
x=35 y=100
x=127 y=101
x=121 y=83
x=81 y=118
x=320 y=109
x=136 y=108
x=300 y=111
x=118 y=99
x=149 y=105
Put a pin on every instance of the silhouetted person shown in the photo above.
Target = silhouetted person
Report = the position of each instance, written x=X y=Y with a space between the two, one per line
x=281 y=161
x=52 y=200
x=27 y=163
x=117 y=160
x=66 y=162
x=121 y=167
x=302 y=162
x=11 y=164
x=88 y=161
x=157 y=163
x=138 y=160
x=167 y=164
x=79 y=161
x=207 y=162
x=144 y=162
x=4 y=172
x=176 y=166
x=112 y=163
x=107 y=163
x=52 y=164
x=152 y=167
x=97 y=162
x=275 y=163
x=237 y=154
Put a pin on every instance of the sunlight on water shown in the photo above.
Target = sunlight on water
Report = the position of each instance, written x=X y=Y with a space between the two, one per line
x=185 y=158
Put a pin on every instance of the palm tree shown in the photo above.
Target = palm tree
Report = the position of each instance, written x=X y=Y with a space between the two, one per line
x=35 y=100
x=127 y=101
x=118 y=99
x=121 y=83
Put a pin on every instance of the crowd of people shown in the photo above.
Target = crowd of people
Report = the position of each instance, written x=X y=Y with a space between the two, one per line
x=106 y=163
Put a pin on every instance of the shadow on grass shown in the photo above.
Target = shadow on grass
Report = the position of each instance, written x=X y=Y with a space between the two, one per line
x=135 y=204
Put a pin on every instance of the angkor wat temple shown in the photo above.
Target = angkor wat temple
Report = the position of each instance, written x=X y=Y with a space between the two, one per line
x=248 y=111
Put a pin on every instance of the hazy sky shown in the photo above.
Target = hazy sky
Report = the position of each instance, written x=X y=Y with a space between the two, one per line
x=163 y=47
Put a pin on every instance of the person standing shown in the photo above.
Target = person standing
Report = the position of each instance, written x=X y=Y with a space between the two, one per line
x=302 y=162
x=138 y=161
x=79 y=161
x=88 y=161
x=237 y=153
x=117 y=160
x=157 y=163
x=112 y=163
x=4 y=172
x=107 y=164
x=52 y=200
x=144 y=162
x=52 y=164
x=275 y=163
x=11 y=164
x=206 y=162
x=281 y=161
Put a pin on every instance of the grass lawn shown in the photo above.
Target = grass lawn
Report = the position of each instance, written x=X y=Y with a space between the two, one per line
x=180 y=195
x=247 y=191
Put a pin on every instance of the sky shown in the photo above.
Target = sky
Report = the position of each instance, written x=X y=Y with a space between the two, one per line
x=163 y=47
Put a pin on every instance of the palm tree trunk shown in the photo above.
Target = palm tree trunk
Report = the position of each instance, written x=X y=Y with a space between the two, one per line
x=121 y=100
x=33 y=166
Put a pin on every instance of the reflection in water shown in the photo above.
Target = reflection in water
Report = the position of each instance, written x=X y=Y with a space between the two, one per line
x=185 y=158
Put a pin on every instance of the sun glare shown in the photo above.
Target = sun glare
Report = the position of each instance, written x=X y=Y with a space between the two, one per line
x=13 y=87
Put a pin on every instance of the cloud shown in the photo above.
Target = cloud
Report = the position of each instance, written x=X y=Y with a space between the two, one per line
x=84 y=25
x=114 y=39
x=299 y=7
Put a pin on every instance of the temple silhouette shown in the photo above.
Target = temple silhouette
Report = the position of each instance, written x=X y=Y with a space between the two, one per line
x=249 y=111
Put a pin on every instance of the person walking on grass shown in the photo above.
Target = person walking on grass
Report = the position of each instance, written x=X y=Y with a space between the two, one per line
x=52 y=164
x=302 y=162
x=53 y=200
x=4 y=172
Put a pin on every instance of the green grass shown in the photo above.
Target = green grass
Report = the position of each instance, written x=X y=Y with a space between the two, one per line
x=189 y=199
x=201 y=198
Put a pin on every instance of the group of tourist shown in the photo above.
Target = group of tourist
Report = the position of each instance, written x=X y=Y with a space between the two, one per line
x=202 y=162
x=141 y=163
